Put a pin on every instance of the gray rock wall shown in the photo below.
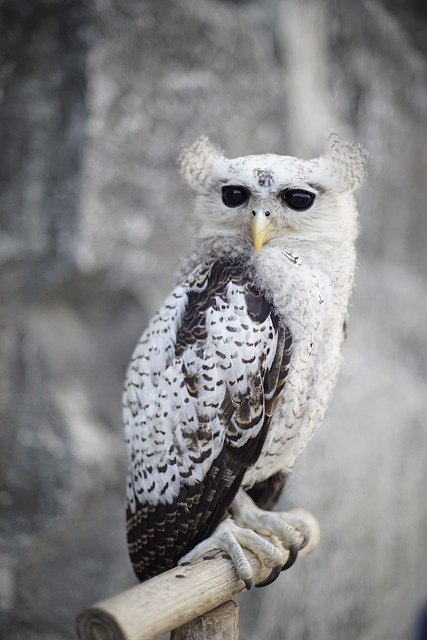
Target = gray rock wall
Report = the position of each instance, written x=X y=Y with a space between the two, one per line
x=96 y=101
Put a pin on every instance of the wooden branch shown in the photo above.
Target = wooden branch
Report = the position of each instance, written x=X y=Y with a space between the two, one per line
x=173 y=598
x=221 y=623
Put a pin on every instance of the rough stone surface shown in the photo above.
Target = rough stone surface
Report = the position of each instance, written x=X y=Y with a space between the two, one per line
x=96 y=100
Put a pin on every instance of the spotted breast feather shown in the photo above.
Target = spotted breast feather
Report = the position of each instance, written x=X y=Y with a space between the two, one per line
x=200 y=391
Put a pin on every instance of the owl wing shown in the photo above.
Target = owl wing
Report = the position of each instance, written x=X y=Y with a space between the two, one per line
x=200 y=391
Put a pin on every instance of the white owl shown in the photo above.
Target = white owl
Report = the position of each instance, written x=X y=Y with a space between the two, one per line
x=233 y=375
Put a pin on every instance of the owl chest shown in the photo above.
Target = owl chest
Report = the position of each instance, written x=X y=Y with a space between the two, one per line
x=314 y=310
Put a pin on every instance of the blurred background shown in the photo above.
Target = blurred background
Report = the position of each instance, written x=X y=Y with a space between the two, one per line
x=96 y=100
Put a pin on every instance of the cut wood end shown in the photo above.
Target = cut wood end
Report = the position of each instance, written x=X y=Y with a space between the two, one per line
x=95 y=624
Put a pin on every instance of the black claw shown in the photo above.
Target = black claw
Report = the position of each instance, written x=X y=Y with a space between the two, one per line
x=249 y=583
x=275 y=573
x=293 y=555
x=305 y=541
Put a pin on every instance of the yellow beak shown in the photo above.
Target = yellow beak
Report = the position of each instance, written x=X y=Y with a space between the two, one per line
x=262 y=228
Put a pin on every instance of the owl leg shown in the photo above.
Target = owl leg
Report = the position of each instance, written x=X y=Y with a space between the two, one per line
x=292 y=531
x=230 y=537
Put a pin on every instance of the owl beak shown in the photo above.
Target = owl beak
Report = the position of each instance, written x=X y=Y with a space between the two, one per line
x=262 y=228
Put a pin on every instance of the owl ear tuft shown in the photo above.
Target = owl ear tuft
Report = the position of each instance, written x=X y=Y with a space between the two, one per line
x=348 y=161
x=197 y=163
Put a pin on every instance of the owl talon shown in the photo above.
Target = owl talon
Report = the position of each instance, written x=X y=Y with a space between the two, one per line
x=291 y=529
x=232 y=538
x=293 y=555
x=305 y=541
x=275 y=573
x=249 y=583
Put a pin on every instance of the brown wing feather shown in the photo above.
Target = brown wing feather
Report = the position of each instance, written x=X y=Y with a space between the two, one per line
x=159 y=535
x=266 y=494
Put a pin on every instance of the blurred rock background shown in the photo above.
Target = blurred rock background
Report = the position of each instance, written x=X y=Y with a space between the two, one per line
x=96 y=100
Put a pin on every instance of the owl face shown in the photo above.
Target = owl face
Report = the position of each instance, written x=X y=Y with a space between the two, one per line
x=270 y=196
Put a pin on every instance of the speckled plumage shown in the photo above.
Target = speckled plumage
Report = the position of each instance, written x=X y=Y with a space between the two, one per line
x=233 y=375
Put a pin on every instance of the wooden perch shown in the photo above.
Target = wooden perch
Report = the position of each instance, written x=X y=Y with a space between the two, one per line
x=171 y=599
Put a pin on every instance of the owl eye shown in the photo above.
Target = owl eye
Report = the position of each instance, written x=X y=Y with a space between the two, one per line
x=298 y=199
x=233 y=196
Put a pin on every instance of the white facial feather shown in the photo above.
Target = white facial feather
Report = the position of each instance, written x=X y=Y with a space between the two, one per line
x=198 y=164
x=331 y=178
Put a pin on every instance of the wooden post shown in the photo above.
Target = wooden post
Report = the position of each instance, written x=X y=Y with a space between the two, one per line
x=175 y=597
x=221 y=623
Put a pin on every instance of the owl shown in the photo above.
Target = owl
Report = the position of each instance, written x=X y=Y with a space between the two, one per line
x=232 y=377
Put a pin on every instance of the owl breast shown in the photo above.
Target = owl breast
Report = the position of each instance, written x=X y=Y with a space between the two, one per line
x=312 y=300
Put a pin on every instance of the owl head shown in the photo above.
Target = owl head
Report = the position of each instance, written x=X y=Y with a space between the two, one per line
x=272 y=196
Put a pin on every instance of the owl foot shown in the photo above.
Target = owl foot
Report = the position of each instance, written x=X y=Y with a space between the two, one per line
x=230 y=537
x=292 y=531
